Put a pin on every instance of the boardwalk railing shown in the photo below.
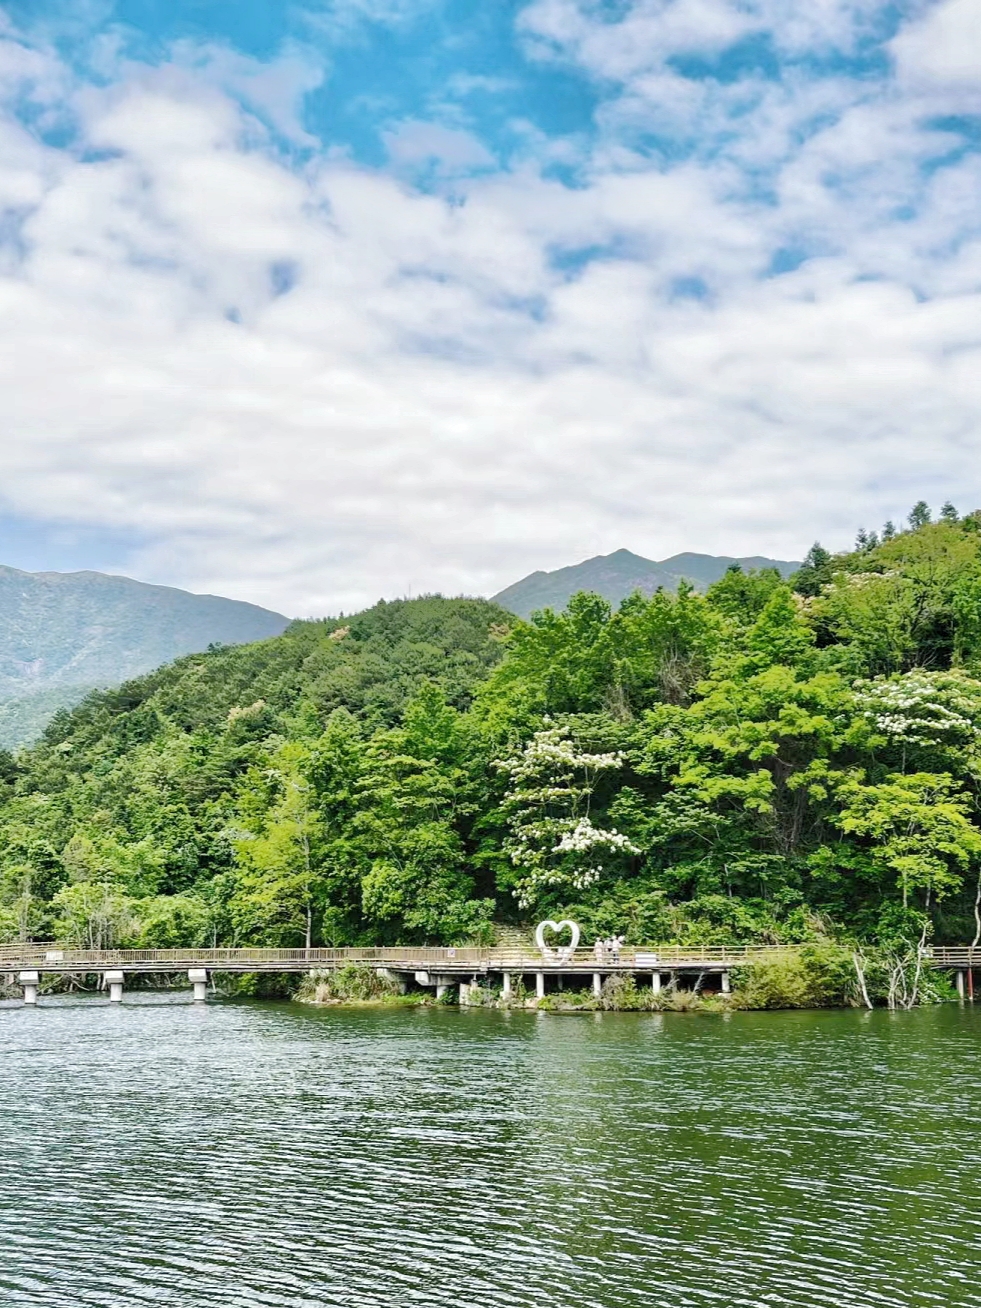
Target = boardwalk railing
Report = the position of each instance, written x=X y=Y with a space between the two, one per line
x=57 y=957
x=959 y=956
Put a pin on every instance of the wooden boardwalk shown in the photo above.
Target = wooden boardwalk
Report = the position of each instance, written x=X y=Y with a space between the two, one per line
x=463 y=960
x=438 y=967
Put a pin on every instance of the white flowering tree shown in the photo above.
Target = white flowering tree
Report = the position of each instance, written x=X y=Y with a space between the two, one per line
x=552 y=841
x=937 y=712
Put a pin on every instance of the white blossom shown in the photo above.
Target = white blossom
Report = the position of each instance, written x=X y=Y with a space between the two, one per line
x=552 y=837
x=924 y=708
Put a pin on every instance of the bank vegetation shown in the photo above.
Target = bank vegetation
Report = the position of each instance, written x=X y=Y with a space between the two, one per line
x=781 y=762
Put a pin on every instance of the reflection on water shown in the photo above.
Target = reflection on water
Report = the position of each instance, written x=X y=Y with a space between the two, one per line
x=255 y=1155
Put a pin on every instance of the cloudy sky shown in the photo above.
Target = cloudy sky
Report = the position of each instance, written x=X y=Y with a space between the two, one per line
x=310 y=303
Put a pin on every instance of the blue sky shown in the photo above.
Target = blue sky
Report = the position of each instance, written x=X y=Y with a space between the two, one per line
x=371 y=66
x=313 y=303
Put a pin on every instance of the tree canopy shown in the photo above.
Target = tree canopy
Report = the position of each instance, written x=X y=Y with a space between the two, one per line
x=769 y=760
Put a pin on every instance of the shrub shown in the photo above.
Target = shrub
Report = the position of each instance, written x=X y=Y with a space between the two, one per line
x=355 y=981
x=819 y=976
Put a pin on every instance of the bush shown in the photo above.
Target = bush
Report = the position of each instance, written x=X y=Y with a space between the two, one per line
x=819 y=976
x=355 y=982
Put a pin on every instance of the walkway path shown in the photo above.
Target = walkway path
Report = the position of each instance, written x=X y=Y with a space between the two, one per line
x=427 y=966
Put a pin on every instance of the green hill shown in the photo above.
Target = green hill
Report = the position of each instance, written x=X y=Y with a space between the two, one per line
x=769 y=760
x=617 y=575
x=61 y=634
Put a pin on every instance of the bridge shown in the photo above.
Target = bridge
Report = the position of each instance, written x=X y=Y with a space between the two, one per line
x=429 y=966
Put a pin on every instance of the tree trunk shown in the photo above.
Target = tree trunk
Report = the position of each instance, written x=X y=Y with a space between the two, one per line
x=860 y=973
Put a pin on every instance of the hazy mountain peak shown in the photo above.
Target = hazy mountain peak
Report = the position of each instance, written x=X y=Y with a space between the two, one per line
x=64 y=633
x=617 y=575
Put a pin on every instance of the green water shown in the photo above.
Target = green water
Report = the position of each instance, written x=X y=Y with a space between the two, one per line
x=268 y=1155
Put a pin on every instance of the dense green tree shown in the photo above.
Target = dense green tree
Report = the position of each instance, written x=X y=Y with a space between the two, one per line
x=767 y=760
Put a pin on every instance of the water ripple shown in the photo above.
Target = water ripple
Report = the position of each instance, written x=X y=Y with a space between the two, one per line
x=270 y=1156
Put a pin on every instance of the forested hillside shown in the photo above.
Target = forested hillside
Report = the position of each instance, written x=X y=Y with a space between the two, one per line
x=768 y=760
x=63 y=633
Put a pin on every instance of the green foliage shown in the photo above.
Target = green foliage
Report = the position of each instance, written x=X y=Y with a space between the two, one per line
x=820 y=976
x=94 y=915
x=766 y=762
x=920 y=827
x=355 y=982
x=814 y=572
x=552 y=842
x=63 y=633
x=619 y=575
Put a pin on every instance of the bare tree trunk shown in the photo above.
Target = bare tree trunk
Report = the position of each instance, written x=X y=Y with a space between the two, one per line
x=306 y=860
x=915 y=991
x=894 y=969
x=860 y=973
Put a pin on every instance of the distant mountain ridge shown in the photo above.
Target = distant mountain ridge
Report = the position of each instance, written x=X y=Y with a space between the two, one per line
x=64 y=633
x=617 y=575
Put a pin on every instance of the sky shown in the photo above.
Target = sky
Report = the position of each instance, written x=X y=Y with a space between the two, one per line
x=310 y=304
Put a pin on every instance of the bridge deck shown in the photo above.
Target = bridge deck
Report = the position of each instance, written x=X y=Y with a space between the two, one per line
x=459 y=961
x=462 y=961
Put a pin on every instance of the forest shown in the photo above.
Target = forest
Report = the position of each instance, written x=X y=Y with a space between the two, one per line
x=768 y=761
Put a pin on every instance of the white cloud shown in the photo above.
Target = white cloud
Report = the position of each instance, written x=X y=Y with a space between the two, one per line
x=642 y=38
x=451 y=149
x=314 y=386
x=944 y=46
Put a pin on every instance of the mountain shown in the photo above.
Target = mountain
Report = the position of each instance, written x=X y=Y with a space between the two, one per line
x=64 y=633
x=617 y=575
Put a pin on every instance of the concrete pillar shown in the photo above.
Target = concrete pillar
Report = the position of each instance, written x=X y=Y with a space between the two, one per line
x=726 y=985
x=114 y=980
x=30 y=982
x=441 y=990
x=540 y=984
x=464 y=993
x=597 y=984
x=656 y=982
x=959 y=981
x=198 y=977
x=506 y=987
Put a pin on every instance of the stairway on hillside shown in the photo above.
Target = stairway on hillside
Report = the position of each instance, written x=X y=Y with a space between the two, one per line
x=509 y=936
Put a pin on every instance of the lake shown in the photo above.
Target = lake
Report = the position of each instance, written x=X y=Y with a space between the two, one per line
x=265 y=1155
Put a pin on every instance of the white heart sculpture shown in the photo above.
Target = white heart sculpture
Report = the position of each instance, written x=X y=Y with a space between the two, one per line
x=562 y=953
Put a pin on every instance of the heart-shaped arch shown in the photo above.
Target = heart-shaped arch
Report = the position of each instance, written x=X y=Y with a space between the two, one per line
x=558 y=953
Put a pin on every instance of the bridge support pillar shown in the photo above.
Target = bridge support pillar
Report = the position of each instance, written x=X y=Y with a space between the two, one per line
x=540 y=984
x=198 y=977
x=441 y=989
x=726 y=984
x=597 y=984
x=115 y=982
x=959 y=982
x=506 y=986
x=656 y=982
x=30 y=982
